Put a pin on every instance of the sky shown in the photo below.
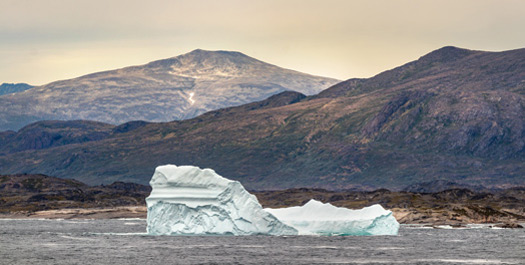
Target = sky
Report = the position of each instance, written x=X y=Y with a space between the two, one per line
x=45 y=41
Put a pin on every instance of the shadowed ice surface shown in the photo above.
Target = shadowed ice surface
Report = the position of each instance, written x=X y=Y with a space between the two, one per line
x=125 y=242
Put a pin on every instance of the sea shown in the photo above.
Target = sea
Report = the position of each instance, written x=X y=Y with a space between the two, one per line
x=124 y=241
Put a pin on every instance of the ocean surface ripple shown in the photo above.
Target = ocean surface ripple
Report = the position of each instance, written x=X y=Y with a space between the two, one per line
x=124 y=241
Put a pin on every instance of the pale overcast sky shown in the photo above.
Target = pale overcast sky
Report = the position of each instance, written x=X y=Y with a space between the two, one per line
x=44 y=41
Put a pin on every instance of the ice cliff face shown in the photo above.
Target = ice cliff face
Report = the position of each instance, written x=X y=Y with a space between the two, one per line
x=187 y=200
x=317 y=218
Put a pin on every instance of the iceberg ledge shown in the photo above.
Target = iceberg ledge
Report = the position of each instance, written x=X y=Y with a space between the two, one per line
x=317 y=218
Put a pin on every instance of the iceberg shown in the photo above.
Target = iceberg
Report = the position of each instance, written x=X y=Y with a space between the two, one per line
x=317 y=218
x=187 y=200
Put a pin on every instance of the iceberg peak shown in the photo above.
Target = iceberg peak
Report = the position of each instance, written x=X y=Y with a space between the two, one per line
x=187 y=200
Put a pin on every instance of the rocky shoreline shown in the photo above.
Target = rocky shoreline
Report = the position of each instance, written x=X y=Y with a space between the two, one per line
x=39 y=196
x=81 y=213
x=403 y=216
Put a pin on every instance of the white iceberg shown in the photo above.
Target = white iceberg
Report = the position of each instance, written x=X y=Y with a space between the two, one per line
x=317 y=218
x=187 y=200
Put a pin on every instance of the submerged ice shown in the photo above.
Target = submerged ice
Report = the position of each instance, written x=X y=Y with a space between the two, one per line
x=187 y=200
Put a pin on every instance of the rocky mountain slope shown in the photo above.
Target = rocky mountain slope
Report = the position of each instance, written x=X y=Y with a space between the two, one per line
x=453 y=115
x=8 y=88
x=171 y=89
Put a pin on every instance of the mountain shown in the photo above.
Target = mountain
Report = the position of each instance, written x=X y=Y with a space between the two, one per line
x=453 y=115
x=177 y=88
x=8 y=88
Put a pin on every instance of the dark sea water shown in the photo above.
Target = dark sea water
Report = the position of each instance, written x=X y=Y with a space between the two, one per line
x=125 y=242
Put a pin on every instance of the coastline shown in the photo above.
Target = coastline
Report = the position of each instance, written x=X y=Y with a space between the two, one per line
x=82 y=213
x=403 y=216
x=39 y=196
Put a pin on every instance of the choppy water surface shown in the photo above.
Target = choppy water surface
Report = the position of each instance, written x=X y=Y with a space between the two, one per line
x=125 y=242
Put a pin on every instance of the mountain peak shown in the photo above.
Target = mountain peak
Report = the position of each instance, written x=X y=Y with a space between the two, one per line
x=447 y=54
x=206 y=59
x=197 y=52
x=175 y=88
x=216 y=57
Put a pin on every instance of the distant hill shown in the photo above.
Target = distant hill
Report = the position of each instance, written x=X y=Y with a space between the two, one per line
x=453 y=115
x=8 y=88
x=46 y=134
x=29 y=193
x=176 y=88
